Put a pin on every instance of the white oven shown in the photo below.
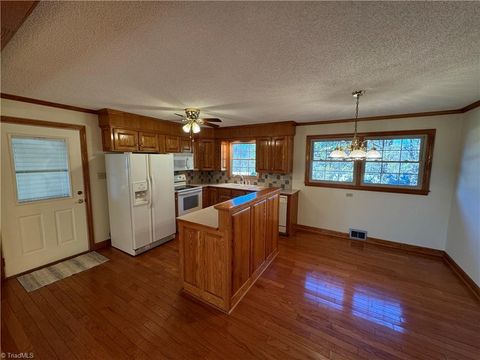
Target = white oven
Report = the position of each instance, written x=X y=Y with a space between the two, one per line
x=189 y=200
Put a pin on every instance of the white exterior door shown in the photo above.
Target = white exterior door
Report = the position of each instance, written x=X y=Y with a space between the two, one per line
x=43 y=204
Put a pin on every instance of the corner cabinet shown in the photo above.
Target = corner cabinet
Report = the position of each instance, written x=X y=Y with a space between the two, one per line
x=274 y=154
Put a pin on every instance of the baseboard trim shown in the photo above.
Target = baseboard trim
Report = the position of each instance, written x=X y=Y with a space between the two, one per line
x=420 y=250
x=102 y=245
x=467 y=280
x=412 y=249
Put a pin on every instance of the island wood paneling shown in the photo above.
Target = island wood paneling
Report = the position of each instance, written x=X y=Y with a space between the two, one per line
x=219 y=265
x=241 y=223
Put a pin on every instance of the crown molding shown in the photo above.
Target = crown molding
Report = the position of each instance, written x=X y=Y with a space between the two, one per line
x=47 y=103
x=317 y=122
x=395 y=116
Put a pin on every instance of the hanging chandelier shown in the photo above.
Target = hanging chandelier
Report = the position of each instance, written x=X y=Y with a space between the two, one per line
x=357 y=150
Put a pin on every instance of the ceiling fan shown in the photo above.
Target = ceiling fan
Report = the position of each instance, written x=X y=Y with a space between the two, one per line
x=192 y=122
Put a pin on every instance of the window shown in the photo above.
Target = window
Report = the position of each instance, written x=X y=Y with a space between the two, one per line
x=404 y=167
x=41 y=168
x=243 y=159
x=326 y=169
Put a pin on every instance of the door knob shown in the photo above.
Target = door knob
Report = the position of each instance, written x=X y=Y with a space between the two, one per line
x=80 y=201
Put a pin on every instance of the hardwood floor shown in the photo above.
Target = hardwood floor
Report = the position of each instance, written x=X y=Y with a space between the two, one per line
x=322 y=298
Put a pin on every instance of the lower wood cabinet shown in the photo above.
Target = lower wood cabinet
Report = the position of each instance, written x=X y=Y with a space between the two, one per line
x=214 y=195
x=219 y=265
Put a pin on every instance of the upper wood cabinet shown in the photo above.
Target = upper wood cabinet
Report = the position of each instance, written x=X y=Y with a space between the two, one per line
x=186 y=145
x=263 y=154
x=206 y=154
x=148 y=142
x=125 y=140
x=172 y=144
x=274 y=154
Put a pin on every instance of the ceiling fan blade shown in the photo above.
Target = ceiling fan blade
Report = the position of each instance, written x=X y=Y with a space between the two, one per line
x=179 y=115
x=210 y=124
x=212 y=119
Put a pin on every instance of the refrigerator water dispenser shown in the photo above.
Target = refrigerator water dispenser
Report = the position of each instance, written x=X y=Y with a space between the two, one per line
x=140 y=193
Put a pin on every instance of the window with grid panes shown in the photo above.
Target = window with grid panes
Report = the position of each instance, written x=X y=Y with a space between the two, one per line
x=404 y=166
x=243 y=159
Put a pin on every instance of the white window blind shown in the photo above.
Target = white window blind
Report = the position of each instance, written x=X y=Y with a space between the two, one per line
x=41 y=168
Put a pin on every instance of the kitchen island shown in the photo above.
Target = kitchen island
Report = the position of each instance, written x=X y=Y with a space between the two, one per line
x=224 y=248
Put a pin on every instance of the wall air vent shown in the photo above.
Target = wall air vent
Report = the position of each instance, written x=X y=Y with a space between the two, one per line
x=357 y=234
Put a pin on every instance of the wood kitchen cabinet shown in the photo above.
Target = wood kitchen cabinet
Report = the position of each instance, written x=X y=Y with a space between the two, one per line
x=274 y=154
x=186 y=145
x=148 y=142
x=220 y=262
x=223 y=195
x=212 y=196
x=125 y=140
x=263 y=155
x=172 y=144
x=205 y=154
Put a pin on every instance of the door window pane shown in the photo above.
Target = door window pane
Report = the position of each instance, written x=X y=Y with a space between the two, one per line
x=41 y=168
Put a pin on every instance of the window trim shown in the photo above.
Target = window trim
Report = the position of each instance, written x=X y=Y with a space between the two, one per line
x=358 y=168
x=230 y=158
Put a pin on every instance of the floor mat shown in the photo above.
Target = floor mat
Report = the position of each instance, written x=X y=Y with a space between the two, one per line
x=48 y=275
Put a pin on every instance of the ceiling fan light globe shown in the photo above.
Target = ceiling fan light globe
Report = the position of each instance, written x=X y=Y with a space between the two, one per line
x=186 y=128
x=195 y=128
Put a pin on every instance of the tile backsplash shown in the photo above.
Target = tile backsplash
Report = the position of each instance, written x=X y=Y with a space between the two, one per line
x=218 y=177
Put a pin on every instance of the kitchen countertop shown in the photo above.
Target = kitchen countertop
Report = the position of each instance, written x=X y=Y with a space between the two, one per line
x=207 y=217
x=247 y=187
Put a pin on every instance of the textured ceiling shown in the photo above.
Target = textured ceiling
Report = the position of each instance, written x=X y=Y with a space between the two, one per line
x=249 y=62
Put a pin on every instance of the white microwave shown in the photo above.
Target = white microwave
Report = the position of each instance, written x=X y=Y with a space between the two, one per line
x=183 y=161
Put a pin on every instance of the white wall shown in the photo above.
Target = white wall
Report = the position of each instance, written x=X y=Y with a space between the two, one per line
x=411 y=219
x=463 y=241
x=96 y=159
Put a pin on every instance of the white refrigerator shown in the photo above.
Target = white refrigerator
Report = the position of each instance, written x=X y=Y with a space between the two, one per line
x=141 y=200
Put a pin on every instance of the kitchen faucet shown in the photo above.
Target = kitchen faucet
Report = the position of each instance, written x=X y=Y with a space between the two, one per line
x=241 y=177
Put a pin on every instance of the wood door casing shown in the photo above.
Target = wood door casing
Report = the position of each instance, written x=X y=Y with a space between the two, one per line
x=125 y=140
x=148 y=142
x=258 y=235
x=241 y=227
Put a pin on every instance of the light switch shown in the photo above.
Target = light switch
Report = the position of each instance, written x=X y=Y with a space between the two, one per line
x=349 y=195
x=101 y=175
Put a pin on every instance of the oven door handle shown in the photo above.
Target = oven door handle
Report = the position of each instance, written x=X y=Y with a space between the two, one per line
x=189 y=192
